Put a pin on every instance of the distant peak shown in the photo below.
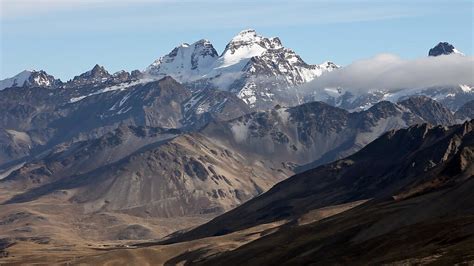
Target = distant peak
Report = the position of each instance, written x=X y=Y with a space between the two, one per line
x=443 y=48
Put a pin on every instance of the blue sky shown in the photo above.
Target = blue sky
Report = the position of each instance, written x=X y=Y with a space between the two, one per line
x=67 y=37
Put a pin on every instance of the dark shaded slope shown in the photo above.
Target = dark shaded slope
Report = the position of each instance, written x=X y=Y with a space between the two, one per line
x=434 y=228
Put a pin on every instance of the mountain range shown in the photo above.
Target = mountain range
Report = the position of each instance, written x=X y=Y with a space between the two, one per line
x=258 y=70
x=202 y=144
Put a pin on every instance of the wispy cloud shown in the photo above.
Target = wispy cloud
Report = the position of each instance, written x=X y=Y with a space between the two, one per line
x=387 y=71
x=11 y=9
x=220 y=14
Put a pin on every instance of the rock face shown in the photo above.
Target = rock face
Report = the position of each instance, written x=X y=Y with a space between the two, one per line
x=443 y=48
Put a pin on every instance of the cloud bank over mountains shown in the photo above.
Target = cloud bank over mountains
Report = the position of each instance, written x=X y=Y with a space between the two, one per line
x=390 y=72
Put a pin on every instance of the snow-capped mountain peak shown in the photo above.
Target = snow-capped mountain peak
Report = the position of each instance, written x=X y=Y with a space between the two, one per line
x=256 y=68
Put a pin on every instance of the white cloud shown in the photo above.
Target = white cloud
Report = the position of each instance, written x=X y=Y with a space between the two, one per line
x=388 y=71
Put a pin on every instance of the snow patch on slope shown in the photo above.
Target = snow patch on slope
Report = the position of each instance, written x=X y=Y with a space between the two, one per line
x=121 y=87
